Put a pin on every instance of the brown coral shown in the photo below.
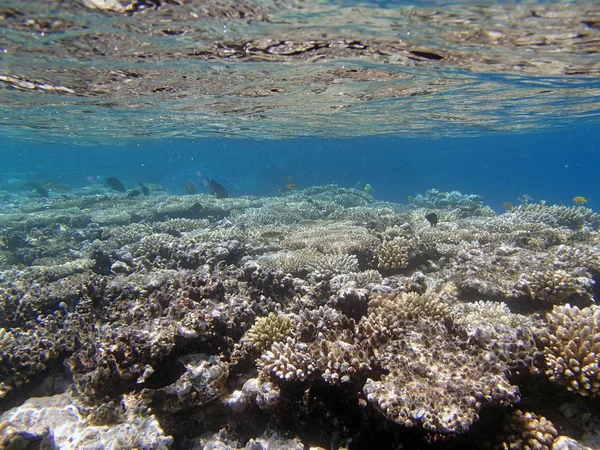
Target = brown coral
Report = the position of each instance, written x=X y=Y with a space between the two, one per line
x=392 y=254
x=528 y=431
x=267 y=330
x=572 y=348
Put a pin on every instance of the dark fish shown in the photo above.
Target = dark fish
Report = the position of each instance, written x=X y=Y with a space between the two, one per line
x=191 y=188
x=216 y=189
x=196 y=208
x=432 y=218
x=43 y=192
x=133 y=193
x=115 y=184
x=166 y=374
x=144 y=189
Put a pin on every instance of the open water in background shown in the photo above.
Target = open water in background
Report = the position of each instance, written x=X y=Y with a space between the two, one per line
x=551 y=165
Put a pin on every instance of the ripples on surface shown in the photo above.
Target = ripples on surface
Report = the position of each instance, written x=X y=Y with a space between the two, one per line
x=102 y=69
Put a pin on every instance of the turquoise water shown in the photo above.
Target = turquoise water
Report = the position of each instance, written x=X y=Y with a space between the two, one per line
x=549 y=165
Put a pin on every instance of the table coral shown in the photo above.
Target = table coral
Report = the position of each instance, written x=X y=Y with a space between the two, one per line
x=572 y=348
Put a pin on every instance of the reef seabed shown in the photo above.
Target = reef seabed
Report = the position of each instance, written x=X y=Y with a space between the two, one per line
x=321 y=318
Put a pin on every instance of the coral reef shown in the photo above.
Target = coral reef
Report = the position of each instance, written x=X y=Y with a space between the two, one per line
x=222 y=322
x=572 y=348
x=528 y=431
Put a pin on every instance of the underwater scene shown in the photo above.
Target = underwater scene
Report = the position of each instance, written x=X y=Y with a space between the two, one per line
x=299 y=224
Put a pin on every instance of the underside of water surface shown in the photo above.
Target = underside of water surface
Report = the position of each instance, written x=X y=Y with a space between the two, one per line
x=294 y=68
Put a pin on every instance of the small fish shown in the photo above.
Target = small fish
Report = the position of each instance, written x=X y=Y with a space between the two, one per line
x=432 y=218
x=290 y=187
x=410 y=199
x=508 y=206
x=93 y=179
x=528 y=197
x=43 y=192
x=115 y=184
x=144 y=189
x=287 y=178
x=133 y=193
x=281 y=190
x=543 y=202
x=580 y=200
x=191 y=188
x=58 y=187
x=216 y=189
x=368 y=188
x=167 y=373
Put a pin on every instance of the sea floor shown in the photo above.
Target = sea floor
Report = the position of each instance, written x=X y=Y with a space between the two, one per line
x=318 y=319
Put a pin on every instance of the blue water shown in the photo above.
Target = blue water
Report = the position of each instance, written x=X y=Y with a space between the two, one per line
x=551 y=166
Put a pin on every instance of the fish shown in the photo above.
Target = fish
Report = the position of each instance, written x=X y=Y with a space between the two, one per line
x=281 y=190
x=166 y=373
x=287 y=178
x=508 y=206
x=43 y=192
x=93 y=179
x=134 y=193
x=216 y=189
x=115 y=184
x=58 y=187
x=367 y=188
x=528 y=197
x=580 y=200
x=196 y=208
x=191 y=188
x=543 y=202
x=432 y=218
x=410 y=199
x=290 y=187
x=144 y=189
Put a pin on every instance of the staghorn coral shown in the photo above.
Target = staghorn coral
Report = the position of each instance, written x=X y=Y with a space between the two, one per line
x=267 y=330
x=528 y=431
x=392 y=254
x=557 y=286
x=572 y=348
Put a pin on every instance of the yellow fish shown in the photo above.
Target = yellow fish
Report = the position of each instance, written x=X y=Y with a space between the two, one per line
x=281 y=190
x=368 y=188
x=290 y=186
x=287 y=178
x=580 y=200
x=508 y=205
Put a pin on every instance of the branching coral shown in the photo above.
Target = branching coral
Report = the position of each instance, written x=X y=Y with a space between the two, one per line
x=572 y=348
x=528 y=431
x=392 y=254
x=267 y=330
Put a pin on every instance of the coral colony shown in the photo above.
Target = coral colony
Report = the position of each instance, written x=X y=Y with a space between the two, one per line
x=323 y=319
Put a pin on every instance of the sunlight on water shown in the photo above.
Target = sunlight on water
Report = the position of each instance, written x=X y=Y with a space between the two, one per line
x=275 y=69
